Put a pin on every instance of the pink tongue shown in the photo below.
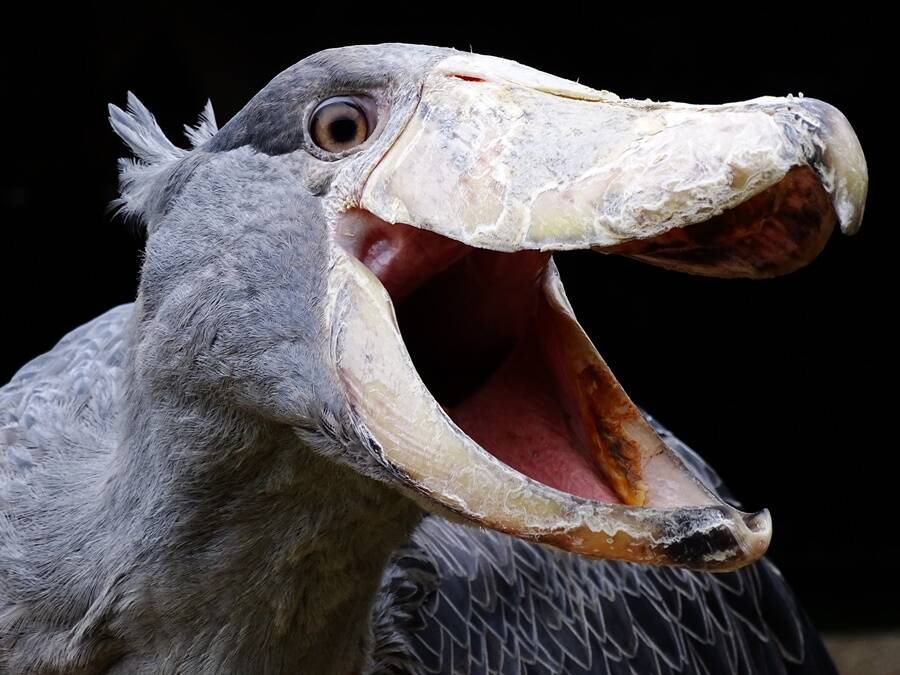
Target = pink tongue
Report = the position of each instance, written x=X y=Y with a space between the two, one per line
x=516 y=417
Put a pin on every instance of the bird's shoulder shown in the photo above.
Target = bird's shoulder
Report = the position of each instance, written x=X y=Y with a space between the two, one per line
x=62 y=402
x=458 y=599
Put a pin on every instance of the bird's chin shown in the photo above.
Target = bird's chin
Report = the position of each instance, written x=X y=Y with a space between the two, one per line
x=469 y=374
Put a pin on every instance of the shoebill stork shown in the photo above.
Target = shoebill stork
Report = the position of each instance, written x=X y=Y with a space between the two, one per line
x=349 y=317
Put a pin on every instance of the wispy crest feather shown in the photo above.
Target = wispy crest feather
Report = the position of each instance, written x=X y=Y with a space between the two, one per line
x=154 y=154
x=205 y=129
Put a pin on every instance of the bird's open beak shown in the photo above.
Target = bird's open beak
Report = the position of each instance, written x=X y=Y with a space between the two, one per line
x=462 y=359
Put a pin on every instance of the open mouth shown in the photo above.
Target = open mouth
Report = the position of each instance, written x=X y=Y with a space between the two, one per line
x=482 y=335
x=498 y=347
x=463 y=362
x=491 y=341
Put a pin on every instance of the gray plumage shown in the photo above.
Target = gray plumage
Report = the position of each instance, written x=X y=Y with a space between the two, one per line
x=182 y=490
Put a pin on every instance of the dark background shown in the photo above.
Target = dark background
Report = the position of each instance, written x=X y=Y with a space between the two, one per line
x=786 y=385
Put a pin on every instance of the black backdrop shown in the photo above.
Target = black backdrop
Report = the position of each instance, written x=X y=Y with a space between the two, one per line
x=786 y=385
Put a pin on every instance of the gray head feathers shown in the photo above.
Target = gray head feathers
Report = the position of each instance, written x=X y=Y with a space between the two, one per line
x=144 y=179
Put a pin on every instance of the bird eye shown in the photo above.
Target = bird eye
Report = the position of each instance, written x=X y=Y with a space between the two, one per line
x=341 y=123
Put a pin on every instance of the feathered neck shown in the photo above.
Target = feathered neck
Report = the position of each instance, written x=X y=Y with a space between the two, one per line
x=198 y=536
x=203 y=540
x=250 y=550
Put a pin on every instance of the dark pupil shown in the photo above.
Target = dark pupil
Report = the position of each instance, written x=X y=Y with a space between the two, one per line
x=343 y=129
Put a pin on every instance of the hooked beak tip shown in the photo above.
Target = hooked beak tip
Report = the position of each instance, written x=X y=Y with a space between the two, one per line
x=760 y=522
x=840 y=162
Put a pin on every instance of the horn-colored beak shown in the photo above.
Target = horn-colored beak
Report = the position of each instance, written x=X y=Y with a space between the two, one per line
x=497 y=164
x=504 y=157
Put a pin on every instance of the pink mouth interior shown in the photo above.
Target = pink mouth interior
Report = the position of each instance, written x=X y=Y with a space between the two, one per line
x=469 y=320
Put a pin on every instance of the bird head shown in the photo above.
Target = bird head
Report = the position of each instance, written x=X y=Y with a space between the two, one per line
x=364 y=255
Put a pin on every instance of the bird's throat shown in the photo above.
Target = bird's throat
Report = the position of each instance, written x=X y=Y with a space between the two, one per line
x=256 y=549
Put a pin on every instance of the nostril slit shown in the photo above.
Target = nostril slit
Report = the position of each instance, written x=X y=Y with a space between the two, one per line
x=468 y=78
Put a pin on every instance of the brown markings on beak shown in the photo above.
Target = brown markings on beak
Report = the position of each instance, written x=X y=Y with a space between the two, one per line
x=605 y=410
x=775 y=232
x=612 y=429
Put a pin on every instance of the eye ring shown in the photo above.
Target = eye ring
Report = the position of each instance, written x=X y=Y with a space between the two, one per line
x=341 y=123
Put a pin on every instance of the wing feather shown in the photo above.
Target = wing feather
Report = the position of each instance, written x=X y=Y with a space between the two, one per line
x=62 y=402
